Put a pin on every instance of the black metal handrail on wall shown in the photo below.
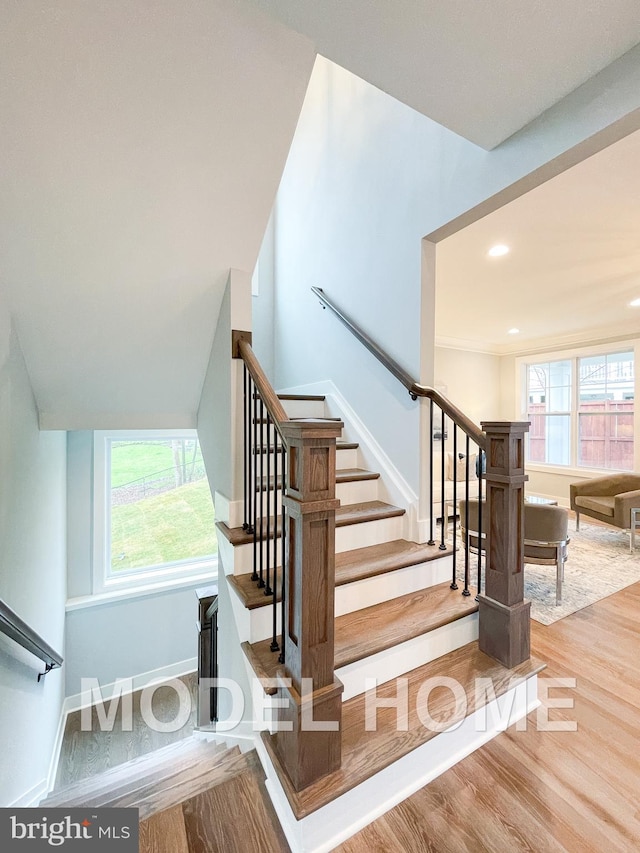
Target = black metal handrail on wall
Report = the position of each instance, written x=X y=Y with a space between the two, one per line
x=442 y=413
x=17 y=629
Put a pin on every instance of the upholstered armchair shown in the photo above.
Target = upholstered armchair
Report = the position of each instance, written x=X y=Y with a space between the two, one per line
x=545 y=536
x=609 y=499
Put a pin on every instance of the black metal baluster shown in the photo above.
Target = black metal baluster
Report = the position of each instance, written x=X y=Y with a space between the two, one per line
x=261 y=494
x=283 y=548
x=454 y=585
x=254 y=486
x=431 y=541
x=466 y=591
x=274 y=604
x=443 y=501
x=267 y=544
x=247 y=442
x=480 y=546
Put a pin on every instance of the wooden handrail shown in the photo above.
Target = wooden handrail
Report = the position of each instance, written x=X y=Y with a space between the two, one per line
x=17 y=629
x=267 y=394
x=414 y=388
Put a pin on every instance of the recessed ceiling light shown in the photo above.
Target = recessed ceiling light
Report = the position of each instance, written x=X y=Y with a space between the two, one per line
x=498 y=250
x=635 y=303
x=513 y=331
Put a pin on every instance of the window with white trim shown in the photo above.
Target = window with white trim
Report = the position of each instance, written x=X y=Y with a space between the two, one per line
x=581 y=411
x=154 y=517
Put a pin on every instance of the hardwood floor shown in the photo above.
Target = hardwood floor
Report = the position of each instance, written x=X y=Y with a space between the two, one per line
x=87 y=753
x=574 y=791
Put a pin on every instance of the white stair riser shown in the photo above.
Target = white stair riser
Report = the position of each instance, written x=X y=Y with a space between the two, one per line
x=238 y=560
x=357 y=491
x=402 y=658
x=304 y=408
x=351 y=492
x=352 y=536
x=331 y=825
x=369 y=591
x=346 y=459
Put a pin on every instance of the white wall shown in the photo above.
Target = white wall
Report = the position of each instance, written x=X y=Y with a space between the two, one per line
x=472 y=380
x=32 y=576
x=263 y=302
x=222 y=455
x=366 y=179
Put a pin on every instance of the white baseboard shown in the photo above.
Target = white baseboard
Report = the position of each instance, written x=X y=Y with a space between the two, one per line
x=331 y=825
x=31 y=797
x=138 y=682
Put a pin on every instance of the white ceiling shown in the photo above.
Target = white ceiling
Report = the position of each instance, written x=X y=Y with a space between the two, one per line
x=573 y=267
x=142 y=144
x=139 y=161
x=482 y=69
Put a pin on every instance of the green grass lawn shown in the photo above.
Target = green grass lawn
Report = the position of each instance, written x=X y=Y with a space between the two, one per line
x=164 y=528
x=133 y=460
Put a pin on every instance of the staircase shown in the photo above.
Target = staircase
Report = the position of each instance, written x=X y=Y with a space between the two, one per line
x=396 y=617
x=191 y=796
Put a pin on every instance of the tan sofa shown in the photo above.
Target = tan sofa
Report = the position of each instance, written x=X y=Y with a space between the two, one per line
x=459 y=468
x=609 y=499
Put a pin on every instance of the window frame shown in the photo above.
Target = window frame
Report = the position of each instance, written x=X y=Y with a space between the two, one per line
x=575 y=354
x=178 y=573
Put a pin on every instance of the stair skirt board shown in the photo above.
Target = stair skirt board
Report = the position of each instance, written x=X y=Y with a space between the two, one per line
x=404 y=657
x=334 y=823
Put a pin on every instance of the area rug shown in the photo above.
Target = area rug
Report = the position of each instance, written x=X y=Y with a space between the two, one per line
x=599 y=564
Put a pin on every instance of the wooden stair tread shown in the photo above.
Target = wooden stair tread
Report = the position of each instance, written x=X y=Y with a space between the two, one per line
x=346 y=445
x=181 y=752
x=161 y=793
x=343 y=475
x=249 y=593
x=365 y=753
x=366 y=511
x=237 y=817
x=165 y=832
x=379 y=627
x=353 y=475
x=345 y=515
x=374 y=560
x=351 y=566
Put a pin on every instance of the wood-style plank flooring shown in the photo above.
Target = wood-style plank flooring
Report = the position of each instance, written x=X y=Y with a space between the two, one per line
x=575 y=791
x=87 y=753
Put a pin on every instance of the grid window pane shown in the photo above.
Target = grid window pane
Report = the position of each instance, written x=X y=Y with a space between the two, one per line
x=605 y=418
x=604 y=410
x=549 y=411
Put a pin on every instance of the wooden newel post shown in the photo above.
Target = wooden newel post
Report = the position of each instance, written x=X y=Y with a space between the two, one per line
x=504 y=615
x=313 y=712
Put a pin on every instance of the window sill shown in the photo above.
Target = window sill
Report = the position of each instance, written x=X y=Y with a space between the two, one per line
x=568 y=471
x=142 y=591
